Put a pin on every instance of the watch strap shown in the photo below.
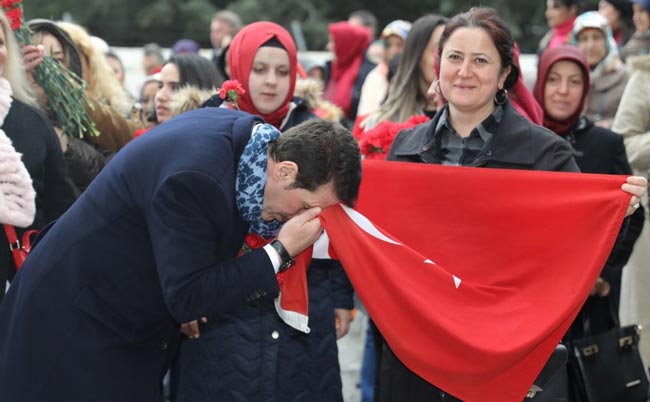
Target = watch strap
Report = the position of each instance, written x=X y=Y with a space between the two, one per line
x=285 y=258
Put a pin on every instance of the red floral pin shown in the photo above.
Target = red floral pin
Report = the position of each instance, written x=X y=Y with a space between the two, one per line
x=230 y=91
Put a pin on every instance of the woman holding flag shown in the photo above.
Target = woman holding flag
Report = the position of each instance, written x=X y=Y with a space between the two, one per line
x=478 y=127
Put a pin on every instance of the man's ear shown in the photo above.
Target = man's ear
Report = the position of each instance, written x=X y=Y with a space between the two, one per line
x=285 y=171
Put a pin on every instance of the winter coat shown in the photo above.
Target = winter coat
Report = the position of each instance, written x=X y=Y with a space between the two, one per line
x=599 y=150
x=638 y=45
x=518 y=144
x=251 y=355
x=94 y=312
x=33 y=136
x=633 y=122
x=605 y=92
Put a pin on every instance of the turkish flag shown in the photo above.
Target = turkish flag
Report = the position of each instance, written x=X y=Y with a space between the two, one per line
x=474 y=275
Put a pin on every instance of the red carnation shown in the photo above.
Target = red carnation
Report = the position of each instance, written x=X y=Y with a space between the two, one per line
x=376 y=142
x=15 y=16
x=6 y=4
x=231 y=90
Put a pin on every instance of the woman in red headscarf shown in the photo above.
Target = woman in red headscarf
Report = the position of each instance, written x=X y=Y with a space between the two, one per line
x=263 y=59
x=349 y=44
x=561 y=88
x=251 y=354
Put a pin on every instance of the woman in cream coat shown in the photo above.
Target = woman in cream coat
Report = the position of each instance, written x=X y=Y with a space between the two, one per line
x=633 y=122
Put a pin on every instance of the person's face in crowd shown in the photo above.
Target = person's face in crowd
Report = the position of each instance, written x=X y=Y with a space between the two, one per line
x=169 y=83
x=394 y=45
x=357 y=21
x=269 y=79
x=149 y=62
x=282 y=201
x=3 y=50
x=641 y=18
x=611 y=14
x=317 y=73
x=591 y=42
x=427 y=68
x=557 y=13
x=117 y=69
x=470 y=71
x=218 y=32
x=53 y=47
x=148 y=94
x=563 y=90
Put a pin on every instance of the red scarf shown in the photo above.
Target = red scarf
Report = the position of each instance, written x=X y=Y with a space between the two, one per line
x=350 y=44
x=561 y=33
x=546 y=61
x=242 y=52
x=475 y=292
x=522 y=100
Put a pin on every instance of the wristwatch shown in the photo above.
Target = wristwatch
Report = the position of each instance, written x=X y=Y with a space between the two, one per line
x=285 y=259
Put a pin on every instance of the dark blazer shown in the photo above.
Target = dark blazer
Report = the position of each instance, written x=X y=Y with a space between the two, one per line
x=517 y=144
x=94 y=313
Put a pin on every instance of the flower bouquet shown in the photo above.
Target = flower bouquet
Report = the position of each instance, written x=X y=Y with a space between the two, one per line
x=376 y=142
x=64 y=89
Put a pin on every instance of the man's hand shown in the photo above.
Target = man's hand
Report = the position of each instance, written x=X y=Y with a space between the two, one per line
x=637 y=186
x=343 y=320
x=301 y=231
x=191 y=329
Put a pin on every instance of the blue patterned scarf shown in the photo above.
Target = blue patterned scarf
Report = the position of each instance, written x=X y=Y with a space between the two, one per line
x=251 y=179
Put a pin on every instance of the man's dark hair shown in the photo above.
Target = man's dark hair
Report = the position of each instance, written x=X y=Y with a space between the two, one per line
x=323 y=151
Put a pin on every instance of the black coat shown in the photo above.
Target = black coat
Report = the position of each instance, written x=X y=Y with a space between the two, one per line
x=599 y=150
x=517 y=144
x=33 y=136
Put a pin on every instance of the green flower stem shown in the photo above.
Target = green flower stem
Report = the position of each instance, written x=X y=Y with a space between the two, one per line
x=65 y=92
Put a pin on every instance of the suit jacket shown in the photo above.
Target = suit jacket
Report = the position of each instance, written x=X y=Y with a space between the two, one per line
x=94 y=313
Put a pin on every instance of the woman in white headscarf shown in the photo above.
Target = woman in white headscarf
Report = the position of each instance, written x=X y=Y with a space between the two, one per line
x=608 y=74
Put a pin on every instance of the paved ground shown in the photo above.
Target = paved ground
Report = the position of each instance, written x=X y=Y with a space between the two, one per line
x=350 y=353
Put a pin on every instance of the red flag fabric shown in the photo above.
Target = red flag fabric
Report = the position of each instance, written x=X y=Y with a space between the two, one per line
x=474 y=275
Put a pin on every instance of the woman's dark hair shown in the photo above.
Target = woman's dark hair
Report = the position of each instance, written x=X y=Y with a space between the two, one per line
x=195 y=70
x=570 y=3
x=71 y=54
x=404 y=98
x=487 y=19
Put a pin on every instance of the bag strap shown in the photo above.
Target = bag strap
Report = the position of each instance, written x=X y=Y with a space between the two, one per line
x=612 y=314
x=12 y=237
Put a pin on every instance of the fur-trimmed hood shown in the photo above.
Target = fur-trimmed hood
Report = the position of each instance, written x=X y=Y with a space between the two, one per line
x=636 y=63
x=189 y=98
x=17 y=196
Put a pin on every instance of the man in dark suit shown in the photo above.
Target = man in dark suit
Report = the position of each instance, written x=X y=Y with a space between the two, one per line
x=94 y=314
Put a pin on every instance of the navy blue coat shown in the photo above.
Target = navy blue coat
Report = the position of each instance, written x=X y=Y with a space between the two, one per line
x=93 y=315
